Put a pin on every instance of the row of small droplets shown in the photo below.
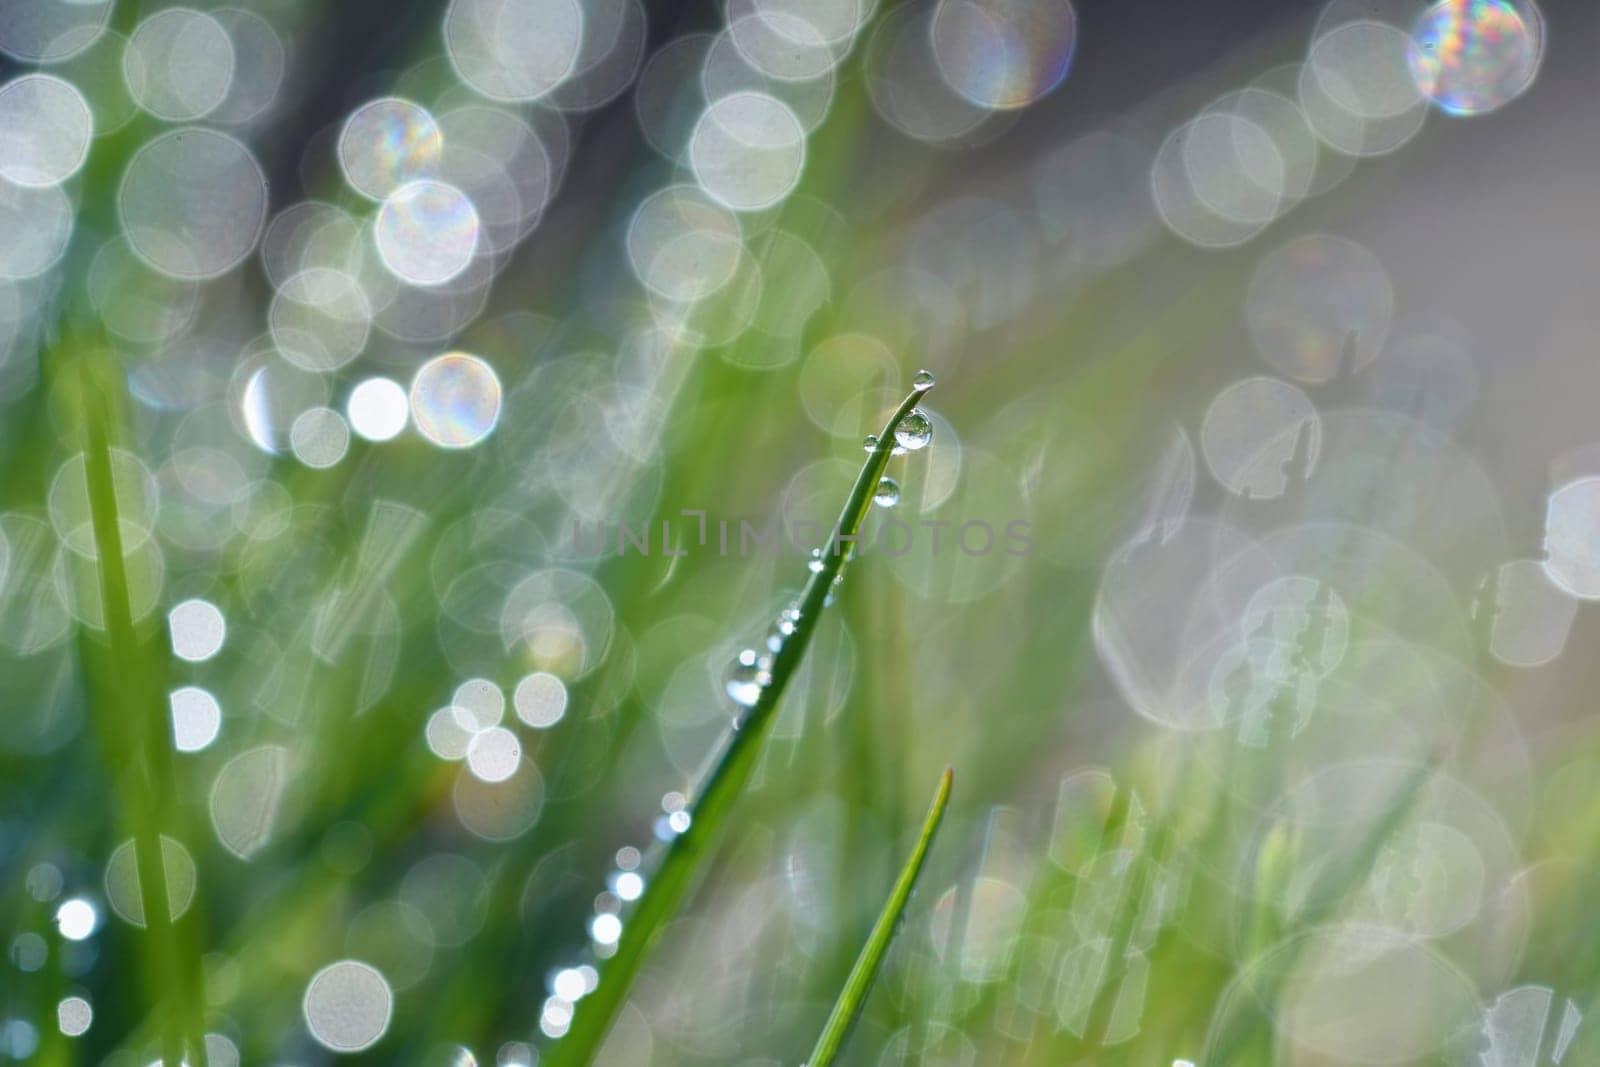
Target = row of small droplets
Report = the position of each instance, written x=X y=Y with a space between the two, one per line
x=749 y=675
x=751 y=671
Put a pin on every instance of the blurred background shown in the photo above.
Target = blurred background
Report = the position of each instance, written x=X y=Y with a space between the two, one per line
x=438 y=358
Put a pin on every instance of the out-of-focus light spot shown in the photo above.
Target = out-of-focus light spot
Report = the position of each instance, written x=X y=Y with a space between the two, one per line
x=682 y=245
x=1234 y=168
x=555 y=1017
x=19 y=1039
x=493 y=755
x=73 y=1016
x=197 y=628
x=258 y=68
x=221 y=1052
x=612 y=50
x=668 y=97
x=747 y=151
x=908 y=87
x=1356 y=92
x=244 y=798
x=178 y=64
x=1004 y=54
x=513 y=50
x=1246 y=184
x=76 y=919
x=387 y=143
x=135 y=302
x=377 y=409
x=568 y=984
x=679 y=821
x=540 y=700
x=1572 y=538
x=481 y=701
x=45 y=129
x=41 y=32
x=347 y=1006
x=319 y=437
x=448 y=734
x=629 y=885
x=426 y=232
x=628 y=858
x=44 y=880
x=122 y=880
x=605 y=929
x=193 y=203
x=455 y=400
x=320 y=319
x=28 y=952
x=138 y=496
x=1532 y=616
x=269 y=396
x=1319 y=308
x=1473 y=56
x=37 y=224
x=516 y=1054
x=196 y=718
x=1259 y=436
x=784 y=45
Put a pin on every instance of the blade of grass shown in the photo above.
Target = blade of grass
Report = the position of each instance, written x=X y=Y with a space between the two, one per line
x=709 y=814
x=853 y=997
x=147 y=782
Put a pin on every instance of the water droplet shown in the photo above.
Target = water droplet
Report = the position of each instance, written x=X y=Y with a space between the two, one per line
x=922 y=381
x=871 y=443
x=748 y=676
x=888 y=493
x=815 y=564
x=788 y=618
x=914 y=431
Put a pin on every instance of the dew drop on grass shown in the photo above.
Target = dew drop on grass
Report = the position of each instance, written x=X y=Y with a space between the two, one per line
x=606 y=929
x=914 y=431
x=922 y=381
x=871 y=443
x=748 y=676
x=887 y=494
x=814 y=565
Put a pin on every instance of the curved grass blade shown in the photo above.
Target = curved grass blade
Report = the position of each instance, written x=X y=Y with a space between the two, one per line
x=853 y=997
x=708 y=816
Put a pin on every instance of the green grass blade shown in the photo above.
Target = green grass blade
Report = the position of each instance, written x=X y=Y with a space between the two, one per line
x=709 y=813
x=147 y=780
x=853 y=997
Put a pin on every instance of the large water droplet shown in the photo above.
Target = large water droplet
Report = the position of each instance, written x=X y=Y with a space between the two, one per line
x=887 y=494
x=922 y=381
x=914 y=431
x=871 y=443
x=747 y=677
